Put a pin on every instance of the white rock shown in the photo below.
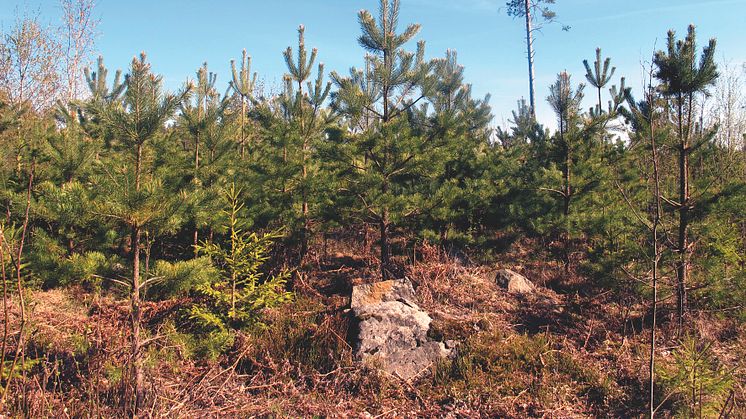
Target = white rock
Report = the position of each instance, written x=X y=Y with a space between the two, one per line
x=392 y=329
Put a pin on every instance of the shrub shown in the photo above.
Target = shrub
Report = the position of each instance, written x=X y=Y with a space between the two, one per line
x=489 y=367
x=698 y=382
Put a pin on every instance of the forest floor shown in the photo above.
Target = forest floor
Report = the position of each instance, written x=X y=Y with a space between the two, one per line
x=570 y=349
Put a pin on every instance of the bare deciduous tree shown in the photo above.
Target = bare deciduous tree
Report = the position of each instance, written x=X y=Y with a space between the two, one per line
x=729 y=108
x=40 y=64
x=29 y=56
x=77 y=36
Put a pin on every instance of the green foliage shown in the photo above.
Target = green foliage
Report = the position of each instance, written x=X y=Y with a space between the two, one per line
x=113 y=373
x=244 y=86
x=144 y=107
x=204 y=125
x=678 y=67
x=85 y=268
x=67 y=209
x=28 y=365
x=599 y=76
x=380 y=160
x=235 y=298
x=178 y=279
x=699 y=382
x=415 y=148
x=207 y=345
x=517 y=8
x=128 y=189
x=401 y=146
x=102 y=96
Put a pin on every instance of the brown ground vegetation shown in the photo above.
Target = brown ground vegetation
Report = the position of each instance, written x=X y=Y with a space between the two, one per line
x=570 y=350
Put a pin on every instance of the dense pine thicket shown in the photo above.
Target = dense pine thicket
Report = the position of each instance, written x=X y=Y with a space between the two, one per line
x=224 y=203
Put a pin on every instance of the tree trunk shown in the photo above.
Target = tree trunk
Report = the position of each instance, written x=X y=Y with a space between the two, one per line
x=682 y=266
x=284 y=163
x=196 y=178
x=656 y=261
x=384 y=227
x=243 y=129
x=305 y=232
x=653 y=322
x=196 y=171
x=136 y=318
x=138 y=164
x=137 y=374
x=6 y=310
x=234 y=274
x=148 y=249
x=233 y=295
x=566 y=195
x=530 y=53
x=384 y=220
x=304 y=205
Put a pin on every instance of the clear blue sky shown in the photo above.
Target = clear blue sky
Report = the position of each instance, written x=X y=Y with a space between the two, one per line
x=178 y=35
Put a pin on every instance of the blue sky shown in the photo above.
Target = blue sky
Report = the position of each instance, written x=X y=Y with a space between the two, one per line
x=179 y=35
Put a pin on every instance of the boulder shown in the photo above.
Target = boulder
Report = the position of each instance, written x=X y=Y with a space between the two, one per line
x=514 y=282
x=392 y=329
x=379 y=292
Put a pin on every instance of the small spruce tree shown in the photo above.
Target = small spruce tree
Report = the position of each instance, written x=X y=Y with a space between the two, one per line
x=236 y=298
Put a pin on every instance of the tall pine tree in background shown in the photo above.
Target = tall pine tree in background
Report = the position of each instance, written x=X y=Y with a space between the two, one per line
x=535 y=13
x=243 y=84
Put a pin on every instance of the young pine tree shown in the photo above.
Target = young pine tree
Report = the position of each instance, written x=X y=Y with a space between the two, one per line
x=454 y=191
x=683 y=75
x=303 y=107
x=135 y=197
x=599 y=76
x=383 y=95
x=579 y=152
x=565 y=100
x=201 y=119
x=101 y=97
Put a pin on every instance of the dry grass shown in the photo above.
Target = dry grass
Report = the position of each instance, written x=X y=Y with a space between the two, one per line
x=555 y=354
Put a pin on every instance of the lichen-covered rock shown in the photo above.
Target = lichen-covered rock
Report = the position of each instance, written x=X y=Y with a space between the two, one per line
x=514 y=282
x=395 y=290
x=392 y=329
